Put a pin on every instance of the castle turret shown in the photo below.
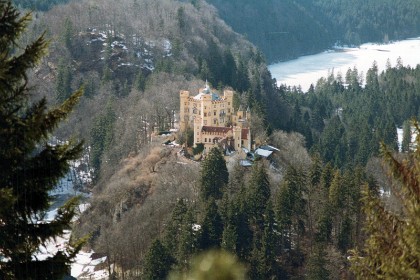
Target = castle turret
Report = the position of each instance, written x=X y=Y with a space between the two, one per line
x=183 y=109
x=248 y=114
x=237 y=137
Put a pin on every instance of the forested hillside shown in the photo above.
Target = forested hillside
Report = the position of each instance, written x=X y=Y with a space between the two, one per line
x=132 y=63
x=152 y=210
x=345 y=119
x=284 y=29
x=41 y=5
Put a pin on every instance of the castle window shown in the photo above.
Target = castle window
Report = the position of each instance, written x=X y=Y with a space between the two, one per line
x=205 y=114
x=228 y=103
x=205 y=122
x=215 y=113
x=228 y=110
x=195 y=111
x=205 y=139
x=215 y=121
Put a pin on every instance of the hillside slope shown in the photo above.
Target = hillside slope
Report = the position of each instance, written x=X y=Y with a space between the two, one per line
x=133 y=57
x=284 y=29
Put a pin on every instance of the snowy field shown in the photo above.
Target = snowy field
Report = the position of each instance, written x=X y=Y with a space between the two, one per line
x=308 y=69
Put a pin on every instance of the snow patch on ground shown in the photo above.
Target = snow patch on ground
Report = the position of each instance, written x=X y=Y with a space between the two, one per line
x=85 y=267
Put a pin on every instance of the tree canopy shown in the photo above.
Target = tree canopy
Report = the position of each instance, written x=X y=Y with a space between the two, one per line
x=30 y=167
x=392 y=248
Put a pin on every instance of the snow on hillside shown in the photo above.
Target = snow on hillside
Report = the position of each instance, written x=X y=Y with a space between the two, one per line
x=87 y=265
x=145 y=51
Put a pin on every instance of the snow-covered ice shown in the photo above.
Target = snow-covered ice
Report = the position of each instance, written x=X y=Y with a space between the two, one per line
x=308 y=69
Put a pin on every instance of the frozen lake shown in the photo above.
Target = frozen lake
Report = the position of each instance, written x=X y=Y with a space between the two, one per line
x=306 y=70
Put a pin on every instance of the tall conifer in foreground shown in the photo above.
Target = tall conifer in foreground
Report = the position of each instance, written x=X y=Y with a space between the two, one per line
x=214 y=175
x=392 y=250
x=29 y=166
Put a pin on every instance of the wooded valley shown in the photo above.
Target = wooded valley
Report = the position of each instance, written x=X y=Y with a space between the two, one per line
x=313 y=211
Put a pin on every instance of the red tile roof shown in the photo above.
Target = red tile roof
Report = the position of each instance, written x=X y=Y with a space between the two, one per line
x=244 y=134
x=216 y=129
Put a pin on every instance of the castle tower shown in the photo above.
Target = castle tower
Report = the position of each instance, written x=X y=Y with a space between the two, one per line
x=184 y=109
x=206 y=107
x=237 y=137
x=197 y=130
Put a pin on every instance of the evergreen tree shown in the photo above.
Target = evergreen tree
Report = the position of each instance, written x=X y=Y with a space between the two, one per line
x=258 y=193
x=188 y=241
x=230 y=238
x=175 y=226
x=29 y=166
x=68 y=34
x=290 y=210
x=317 y=264
x=240 y=219
x=63 y=81
x=101 y=135
x=392 y=248
x=344 y=236
x=214 y=175
x=212 y=227
x=158 y=262
x=324 y=225
x=140 y=82
x=269 y=246
x=264 y=263
x=405 y=147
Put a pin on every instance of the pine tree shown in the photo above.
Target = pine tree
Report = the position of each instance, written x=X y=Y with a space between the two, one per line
x=188 y=241
x=158 y=262
x=140 y=82
x=212 y=227
x=258 y=193
x=63 y=81
x=229 y=238
x=175 y=225
x=317 y=264
x=392 y=249
x=214 y=175
x=29 y=166
x=269 y=246
x=405 y=147
x=291 y=206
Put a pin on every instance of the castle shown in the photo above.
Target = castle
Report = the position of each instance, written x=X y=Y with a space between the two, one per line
x=214 y=121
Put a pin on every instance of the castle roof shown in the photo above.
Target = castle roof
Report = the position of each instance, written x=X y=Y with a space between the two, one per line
x=216 y=129
x=263 y=153
x=207 y=91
